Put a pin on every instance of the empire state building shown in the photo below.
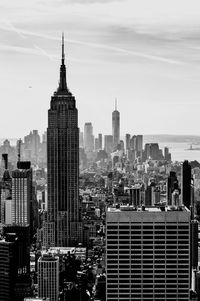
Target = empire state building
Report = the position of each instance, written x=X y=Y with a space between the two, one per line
x=63 y=164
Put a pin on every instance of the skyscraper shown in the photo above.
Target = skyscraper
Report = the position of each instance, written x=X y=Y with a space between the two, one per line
x=115 y=126
x=63 y=163
x=22 y=233
x=139 y=144
x=5 y=195
x=148 y=254
x=88 y=137
x=100 y=141
x=172 y=184
x=21 y=194
x=186 y=184
x=48 y=277
x=8 y=267
x=108 y=143
x=128 y=138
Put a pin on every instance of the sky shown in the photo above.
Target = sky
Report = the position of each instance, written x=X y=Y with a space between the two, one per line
x=145 y=53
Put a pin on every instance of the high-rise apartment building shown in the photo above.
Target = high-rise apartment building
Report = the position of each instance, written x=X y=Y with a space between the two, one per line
x=48 y=277
x=115 y=126
x=88 y=137
x=148 y=254
x=186 y=184
x=21 y=194
x=63 y=164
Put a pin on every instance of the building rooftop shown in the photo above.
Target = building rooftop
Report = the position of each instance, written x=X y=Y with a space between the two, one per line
x=161 y=208
x=48 y=257
x=163 y=214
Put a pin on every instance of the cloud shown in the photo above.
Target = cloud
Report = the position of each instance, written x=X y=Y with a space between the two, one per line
x=124 y=51
x=22 y=50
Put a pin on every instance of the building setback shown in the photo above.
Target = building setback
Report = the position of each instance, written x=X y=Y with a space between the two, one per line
x=63 y=164
x=148 y=254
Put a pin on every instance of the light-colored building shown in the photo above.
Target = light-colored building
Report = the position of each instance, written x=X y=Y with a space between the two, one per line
x=21 y=196
x=108 y=143
x=79 y=252
x=147 y=253
x=48 y=277
x=88 y=137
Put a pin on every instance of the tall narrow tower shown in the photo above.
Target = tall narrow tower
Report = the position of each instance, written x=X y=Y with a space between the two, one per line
x=186 y=184
x=115 y=126
x=63 y=163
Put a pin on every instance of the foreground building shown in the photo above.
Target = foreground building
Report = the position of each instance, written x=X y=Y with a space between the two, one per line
x=148 y=253
x=8 y=268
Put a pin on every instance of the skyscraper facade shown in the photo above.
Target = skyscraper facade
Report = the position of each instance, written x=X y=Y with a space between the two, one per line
x=8 y=268
x=139 y=144
x=115 y=127
x=88 y=137
x=128 y=137
x=63 y=164
x=21 y=195
x=148 y=254
x=100 y=141
x=48 y=277
x=186 y=184
x=108 y=143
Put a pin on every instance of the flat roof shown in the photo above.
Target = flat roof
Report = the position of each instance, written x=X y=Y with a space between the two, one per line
x=161 y=208
x=129 y=214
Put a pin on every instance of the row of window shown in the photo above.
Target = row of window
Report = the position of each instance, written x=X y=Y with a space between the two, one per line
x=147 y=227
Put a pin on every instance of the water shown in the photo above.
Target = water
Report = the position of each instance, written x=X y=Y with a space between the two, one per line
x=180 y=152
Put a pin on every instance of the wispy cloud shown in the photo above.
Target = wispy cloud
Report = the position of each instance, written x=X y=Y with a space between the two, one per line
x=25 y=33
x=22 y=50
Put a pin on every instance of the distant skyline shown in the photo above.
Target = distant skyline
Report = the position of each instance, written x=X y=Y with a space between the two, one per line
x=145 y=53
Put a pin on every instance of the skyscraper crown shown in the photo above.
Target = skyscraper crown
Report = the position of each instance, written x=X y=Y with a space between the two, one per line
x=62 y=88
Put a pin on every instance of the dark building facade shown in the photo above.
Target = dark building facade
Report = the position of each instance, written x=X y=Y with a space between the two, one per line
x=63 y=164
x=23 y=250
x=172 y=184
x=8 y=268
x=186 y=184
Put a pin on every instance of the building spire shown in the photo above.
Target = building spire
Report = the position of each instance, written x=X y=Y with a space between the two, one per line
x=63 y=83
x=115 y=103
x=63 y=49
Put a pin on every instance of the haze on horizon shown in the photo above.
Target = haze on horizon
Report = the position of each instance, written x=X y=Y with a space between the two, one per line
x=144 y=52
